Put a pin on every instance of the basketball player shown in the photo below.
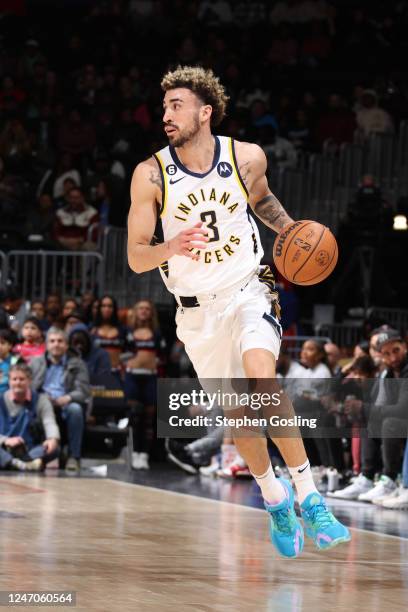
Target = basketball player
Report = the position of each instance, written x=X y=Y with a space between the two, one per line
x=228 y=319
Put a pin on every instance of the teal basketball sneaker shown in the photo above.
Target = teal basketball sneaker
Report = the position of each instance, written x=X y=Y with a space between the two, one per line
x=285 y=528
x=320 y=524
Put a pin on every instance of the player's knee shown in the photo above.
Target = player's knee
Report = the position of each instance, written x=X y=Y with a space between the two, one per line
x=259 y=363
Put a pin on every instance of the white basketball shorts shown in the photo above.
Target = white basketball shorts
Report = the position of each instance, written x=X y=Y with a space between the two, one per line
x=218 y=332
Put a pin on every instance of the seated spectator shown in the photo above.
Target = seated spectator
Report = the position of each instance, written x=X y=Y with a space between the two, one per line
x=371 y=118
x=102 y=200
x=260 y=116
x=75 y=317
x=14 y=142
x=63 y=376
x=68 y=308
x=111 y=172
x=16 y=307
x=29 y=434
x=52 y=308
x=86 y=301
x=12 y=193
x=7 y=359
x=33 y=340
x=300 y=131
x=333 y=356
x=284 y=49
x=316 y=45
x=280 y=152
x=40 y=220
x=11 y=96
x=4 y=319
x=385 y=415
x=96 y=359
x=38 y=311
x=107 y=331
x=68 y=184
x=180 y=365
x=76 y=136
x=214 y=12
x=337 y=124
x=73 y=221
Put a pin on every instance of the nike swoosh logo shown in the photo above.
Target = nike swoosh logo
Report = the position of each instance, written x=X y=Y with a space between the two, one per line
x=172 y=182
x=305 y=468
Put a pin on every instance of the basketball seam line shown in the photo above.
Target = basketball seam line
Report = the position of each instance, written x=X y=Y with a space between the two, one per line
x=294 y=236
x=325 y=270
x=310 y=254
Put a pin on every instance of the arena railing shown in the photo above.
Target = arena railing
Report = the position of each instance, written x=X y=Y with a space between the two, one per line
x=395 y=317
x=342 y=334
x=70 y=273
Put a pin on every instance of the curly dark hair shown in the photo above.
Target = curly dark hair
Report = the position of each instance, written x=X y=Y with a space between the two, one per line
x=203 y=83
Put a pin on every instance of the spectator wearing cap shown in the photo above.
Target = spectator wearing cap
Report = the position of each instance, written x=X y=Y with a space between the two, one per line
x=371 y=118
x=63 y=376
x=33 y=340
x=74 y=220
x=29 y=434
x=386 y=419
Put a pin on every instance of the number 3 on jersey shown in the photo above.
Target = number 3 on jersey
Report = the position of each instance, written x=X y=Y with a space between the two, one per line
x=210 y=214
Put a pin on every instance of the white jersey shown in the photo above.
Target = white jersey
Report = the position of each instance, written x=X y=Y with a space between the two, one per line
x=218 y=198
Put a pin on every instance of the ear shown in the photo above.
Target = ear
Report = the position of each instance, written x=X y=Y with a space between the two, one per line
x=205 y=113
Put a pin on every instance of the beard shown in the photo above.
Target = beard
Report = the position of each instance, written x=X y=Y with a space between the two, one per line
x=181 y=138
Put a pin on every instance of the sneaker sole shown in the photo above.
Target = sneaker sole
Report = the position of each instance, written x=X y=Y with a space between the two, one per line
x=184 y=466
x=332 y=544
x=335 y=543
x=402 y=507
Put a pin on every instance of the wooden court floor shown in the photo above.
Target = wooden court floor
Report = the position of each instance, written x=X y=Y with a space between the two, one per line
x=126 y=547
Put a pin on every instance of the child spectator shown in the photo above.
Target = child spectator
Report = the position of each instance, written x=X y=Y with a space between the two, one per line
x=33 y=340
x=7 y=359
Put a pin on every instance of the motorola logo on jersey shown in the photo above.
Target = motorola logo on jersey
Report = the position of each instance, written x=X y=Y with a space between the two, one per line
x=171 y=169
x=224 y=169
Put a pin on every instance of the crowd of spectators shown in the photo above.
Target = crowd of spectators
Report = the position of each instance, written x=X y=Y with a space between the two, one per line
x=77 y=114
x=53 y=353
x=64 y=350
x=359 y=449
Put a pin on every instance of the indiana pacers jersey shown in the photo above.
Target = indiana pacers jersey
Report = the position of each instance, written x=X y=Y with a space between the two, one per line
x=218 y=198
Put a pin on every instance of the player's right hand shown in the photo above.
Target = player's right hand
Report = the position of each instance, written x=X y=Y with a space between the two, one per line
x=195 y=237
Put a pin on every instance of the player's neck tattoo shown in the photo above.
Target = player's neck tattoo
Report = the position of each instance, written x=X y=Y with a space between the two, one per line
x=271 y=212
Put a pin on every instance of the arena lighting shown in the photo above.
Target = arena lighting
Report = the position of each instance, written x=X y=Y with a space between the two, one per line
x=400 y=222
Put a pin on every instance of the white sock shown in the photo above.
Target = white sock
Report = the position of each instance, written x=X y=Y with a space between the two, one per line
x=271 y=488
x=303 y=479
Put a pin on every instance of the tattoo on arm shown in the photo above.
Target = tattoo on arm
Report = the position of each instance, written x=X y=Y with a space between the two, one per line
x=244 y=171
x=271 y=212
x=155 y=178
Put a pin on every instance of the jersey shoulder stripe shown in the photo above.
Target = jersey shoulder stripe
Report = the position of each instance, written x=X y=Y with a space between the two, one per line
x=236 y=169
x=165 y=189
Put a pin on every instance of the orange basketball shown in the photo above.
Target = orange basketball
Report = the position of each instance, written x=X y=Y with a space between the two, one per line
x=305 y=252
